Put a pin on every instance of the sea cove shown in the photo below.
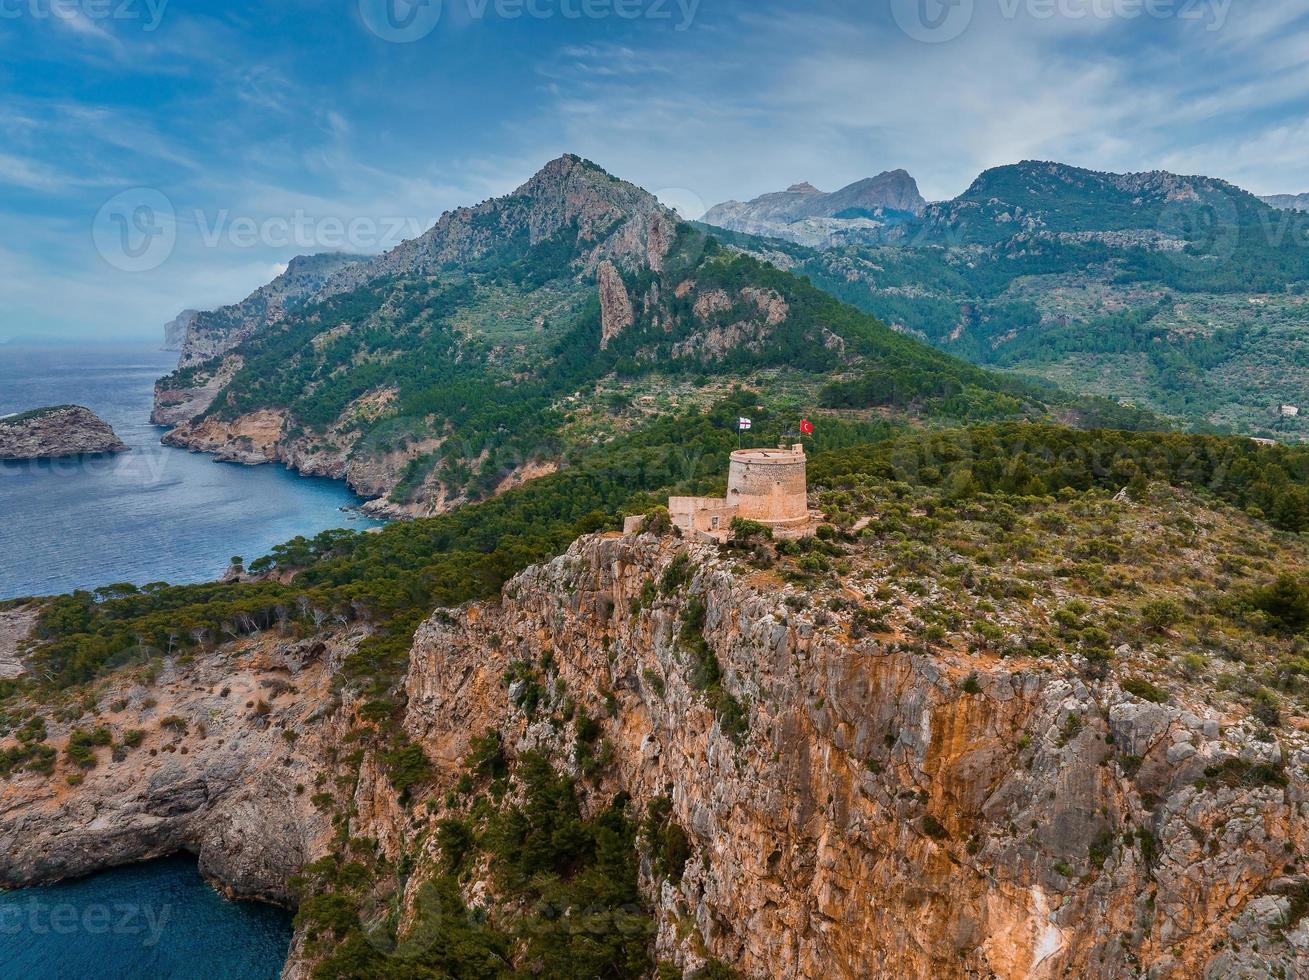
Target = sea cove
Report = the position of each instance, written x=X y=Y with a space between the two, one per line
x=152 y=514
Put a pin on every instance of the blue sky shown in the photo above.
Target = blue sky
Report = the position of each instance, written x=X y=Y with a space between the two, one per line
x=235 y=135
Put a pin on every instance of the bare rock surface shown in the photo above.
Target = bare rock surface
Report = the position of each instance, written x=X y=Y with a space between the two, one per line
x=201 y=761
x=15 y=627
x=59 y=431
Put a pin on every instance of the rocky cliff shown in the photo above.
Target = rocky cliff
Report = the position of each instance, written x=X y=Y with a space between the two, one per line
x=853 y=800
x=218 y=756
x=176 y=329
x=889 y=811
x=51 y=433
x=210 y=335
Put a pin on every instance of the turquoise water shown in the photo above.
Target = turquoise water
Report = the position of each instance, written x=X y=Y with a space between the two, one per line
x=154 y=514
x=157 y=920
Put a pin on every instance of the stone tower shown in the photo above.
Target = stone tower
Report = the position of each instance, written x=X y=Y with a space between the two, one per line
x=769 y=486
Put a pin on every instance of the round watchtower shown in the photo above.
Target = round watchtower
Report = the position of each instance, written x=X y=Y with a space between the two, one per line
x=769 y=486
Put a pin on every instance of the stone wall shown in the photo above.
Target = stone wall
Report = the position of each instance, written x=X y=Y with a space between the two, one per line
x=769 y=486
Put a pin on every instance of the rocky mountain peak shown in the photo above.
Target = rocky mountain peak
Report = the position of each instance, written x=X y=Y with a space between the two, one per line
x=802 y=213
x=569 y=198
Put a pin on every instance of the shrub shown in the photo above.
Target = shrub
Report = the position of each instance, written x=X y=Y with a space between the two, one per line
x=664 y=839
x=407 y=765
x=1285 y=602
x=1162 y=614
x=934 y=828
x=82 y=744
x=678 y=573
x=1143 y=689
x=745 y=531
x=658 y=521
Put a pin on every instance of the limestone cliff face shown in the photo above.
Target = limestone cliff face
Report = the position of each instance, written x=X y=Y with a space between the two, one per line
x=615 y=305
x=175 y=330
x=878 y=819
x=52 y=433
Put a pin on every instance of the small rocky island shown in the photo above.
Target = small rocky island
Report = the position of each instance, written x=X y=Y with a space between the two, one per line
x=52 y=433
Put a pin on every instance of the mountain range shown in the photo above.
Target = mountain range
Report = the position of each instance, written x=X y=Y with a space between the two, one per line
x=1181 y=295
x=512 y=333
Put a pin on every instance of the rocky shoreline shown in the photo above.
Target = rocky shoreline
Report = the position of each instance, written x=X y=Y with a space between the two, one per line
x=55 y=433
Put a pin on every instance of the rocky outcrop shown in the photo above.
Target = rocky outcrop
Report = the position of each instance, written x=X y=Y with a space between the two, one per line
x=250 y=439
x=218 y=757
x=52 y=433
x=175 y=330
x=180 y=399
x=615 y=306
x=15 y=628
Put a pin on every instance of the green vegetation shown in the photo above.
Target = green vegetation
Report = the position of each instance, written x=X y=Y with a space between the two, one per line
x=1019 y=273
x=1027 y=460
x=567 y=898
x=706 y=674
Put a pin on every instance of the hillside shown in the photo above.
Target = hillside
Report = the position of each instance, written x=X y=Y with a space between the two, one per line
x=568 y=313
x=1014 y=692
x=1183 y=296
x=212 y=334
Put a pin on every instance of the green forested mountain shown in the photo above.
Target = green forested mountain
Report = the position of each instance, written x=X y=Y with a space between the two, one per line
x=1185 y=296
x=567 y=313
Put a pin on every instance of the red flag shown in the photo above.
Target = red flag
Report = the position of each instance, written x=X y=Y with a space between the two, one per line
x=806 y=427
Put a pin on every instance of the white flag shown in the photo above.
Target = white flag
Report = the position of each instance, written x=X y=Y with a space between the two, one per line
x=745 y=424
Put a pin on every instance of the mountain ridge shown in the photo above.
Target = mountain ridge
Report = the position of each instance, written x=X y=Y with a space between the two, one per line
x=1183 y=295
x=472 y=357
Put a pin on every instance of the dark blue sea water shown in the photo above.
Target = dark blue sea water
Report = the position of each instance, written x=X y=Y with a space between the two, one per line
x=154 y=514
x=159 y=920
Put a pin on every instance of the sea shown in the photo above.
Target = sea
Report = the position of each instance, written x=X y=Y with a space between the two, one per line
x=159 y=920
x=154 y=514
